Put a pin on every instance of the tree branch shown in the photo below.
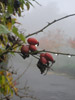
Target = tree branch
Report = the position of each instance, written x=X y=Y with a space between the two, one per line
x=39 y=51
x=59 y=53
x=41 y=30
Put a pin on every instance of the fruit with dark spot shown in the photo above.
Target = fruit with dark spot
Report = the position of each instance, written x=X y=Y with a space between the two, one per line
x=32 y=48
x=41 y=66
x=25 y=51
x=32 y=41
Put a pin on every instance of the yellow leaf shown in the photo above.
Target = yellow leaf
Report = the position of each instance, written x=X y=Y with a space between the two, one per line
x=8 y=74
x=2 y=45
x=16 y=90
x=11 y=92
x=9 y=25
x=1 y=72
x=15 y=47
x=14 y=19
x=10 y=78
x=3 y=80
x=8 y=89
x=11 y=84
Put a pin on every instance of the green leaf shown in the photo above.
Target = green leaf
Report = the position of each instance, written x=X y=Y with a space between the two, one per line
x=0 y=79
x=10 y=10
x=27 y=5
x=2 y=90
x=7 y=88
x=11 y=92
x=15 y=30
x=3 y=79
x=10 y=6
x=19 y=12
x=21 y=36
x=3 y=29
x=30 y=3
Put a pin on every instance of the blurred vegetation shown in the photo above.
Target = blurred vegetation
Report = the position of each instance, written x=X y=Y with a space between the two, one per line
x=10 y=40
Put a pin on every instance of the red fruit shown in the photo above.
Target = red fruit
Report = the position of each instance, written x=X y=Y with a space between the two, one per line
x=32 y=41
x=25 y=49
x=32 y=48
x=42 y=55
x=43 y=60
x=49 y=57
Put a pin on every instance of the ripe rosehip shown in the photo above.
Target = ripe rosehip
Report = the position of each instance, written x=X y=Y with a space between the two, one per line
x=32 y=48
x=42 y=55
x=25 y=49
x=43 y=60
x=49 y=57
x=32 y=41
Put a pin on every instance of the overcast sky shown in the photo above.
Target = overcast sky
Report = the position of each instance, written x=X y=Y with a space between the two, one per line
x=37 y=17
x=64 y=5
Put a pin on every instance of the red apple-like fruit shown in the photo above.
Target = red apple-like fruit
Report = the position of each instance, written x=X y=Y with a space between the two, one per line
x=32 y=41
x=43 y=60
x=25 y=49
x=32 y=48
x=49 y=57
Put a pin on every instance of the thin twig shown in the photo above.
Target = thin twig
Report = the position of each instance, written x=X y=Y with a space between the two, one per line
x=60 y=53
x=41 y=30
x=22 y=73
x=39 y=51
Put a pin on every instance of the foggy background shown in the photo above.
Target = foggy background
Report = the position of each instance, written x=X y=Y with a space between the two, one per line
x=60 y=37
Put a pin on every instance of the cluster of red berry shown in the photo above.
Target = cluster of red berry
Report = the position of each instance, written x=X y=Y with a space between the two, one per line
x=30 y=48
x=45 y=62
x=45 y=59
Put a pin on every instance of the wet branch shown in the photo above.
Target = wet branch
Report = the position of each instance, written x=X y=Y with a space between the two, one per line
x=38 y=52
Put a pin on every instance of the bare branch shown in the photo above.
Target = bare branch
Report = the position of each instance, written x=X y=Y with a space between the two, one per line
x=41 y=30
x=39 y=51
